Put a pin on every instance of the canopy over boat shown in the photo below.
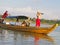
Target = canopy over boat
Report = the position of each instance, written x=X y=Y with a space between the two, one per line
x=18 y=17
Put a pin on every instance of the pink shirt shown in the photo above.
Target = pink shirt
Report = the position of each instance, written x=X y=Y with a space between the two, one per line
x=37 y=22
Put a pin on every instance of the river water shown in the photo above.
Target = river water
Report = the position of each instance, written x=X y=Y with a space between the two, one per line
x=8 y=37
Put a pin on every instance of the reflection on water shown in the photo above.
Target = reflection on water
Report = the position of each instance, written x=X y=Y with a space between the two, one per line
x=8 y=37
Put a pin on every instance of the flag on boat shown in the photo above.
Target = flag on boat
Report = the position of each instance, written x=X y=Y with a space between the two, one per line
x=5 y=14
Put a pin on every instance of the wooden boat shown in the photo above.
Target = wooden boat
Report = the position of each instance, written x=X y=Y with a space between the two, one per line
x=29 y=29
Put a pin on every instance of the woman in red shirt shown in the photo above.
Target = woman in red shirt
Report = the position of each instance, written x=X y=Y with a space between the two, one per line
x=38 y=19
x=37 y=22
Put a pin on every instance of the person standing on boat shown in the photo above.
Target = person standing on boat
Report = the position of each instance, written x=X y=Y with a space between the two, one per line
x=4 y=16
x=38 y=21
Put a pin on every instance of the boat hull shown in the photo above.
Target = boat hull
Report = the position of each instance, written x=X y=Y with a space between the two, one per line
x=29 y=29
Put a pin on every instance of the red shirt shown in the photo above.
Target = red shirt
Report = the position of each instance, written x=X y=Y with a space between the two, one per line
x=5 y=15
x=37 y=22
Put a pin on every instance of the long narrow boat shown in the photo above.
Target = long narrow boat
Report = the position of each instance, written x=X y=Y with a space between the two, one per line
x=29 y=29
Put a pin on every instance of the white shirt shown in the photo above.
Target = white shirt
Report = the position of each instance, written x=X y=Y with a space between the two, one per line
x=17 y=23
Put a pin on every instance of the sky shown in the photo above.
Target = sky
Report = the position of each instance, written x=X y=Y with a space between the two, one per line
x=50 y=8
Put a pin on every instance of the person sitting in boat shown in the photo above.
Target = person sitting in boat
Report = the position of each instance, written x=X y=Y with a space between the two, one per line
x=28 y=21
x=28 y=24
x=24 y=23
x=17 y=22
